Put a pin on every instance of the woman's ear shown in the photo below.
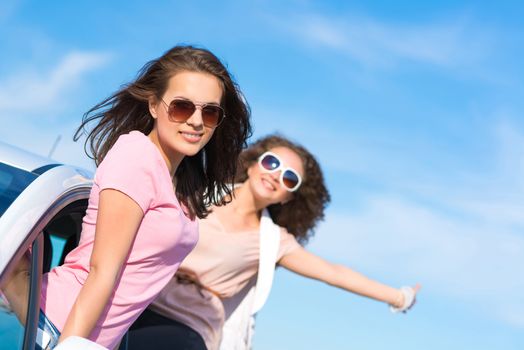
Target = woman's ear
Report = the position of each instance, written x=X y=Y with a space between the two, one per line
x=153 y=105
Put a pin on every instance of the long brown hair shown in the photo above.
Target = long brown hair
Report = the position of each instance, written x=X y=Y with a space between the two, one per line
x=204 y=178
x=301 y=214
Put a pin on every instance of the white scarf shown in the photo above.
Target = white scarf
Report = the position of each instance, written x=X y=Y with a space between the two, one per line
x=241 y=308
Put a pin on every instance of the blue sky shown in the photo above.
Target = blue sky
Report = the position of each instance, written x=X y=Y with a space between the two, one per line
x=414 y=110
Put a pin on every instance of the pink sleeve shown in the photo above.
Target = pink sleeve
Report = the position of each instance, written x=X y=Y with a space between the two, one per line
x=129 y=167
x=288 y=243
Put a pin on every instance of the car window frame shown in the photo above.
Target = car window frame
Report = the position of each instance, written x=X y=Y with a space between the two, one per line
x=35 y=239
x=35 y=287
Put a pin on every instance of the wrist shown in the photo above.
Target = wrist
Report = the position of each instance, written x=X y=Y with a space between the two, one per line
x=398 y=300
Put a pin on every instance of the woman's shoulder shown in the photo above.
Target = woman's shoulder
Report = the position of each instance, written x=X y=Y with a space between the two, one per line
x=133 y=148
x=133 y=154
x=131 y=167
x=287 y=237
x=284 y=233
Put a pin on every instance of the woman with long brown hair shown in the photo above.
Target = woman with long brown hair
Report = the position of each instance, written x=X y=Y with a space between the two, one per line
x=166 y=146
x=277 y=179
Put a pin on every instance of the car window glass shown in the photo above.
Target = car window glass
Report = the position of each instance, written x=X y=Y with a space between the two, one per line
x=11 y=330
x=62 y=233
x=12 y=182
x=58 y=244
x=5 y=179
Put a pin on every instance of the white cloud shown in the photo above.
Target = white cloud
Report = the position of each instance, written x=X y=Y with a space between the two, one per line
x=32 y=90
x=512 y=314
x=495 y=196
x=30 y=94
x=378 y=44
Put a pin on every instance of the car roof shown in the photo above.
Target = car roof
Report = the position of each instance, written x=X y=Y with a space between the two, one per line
x=23 y=159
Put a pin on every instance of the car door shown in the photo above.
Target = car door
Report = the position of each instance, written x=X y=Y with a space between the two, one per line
x=42 y=224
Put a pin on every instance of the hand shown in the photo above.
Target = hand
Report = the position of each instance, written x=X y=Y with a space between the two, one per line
x=406 y=300
x=416 y=288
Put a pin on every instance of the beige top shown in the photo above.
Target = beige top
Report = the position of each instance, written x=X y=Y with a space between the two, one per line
x=222 y=261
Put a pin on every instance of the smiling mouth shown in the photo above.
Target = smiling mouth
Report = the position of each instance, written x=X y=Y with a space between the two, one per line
x=268 y=184
x=191 y=137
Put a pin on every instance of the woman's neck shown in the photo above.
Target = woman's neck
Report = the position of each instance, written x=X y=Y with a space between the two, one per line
x=244 y=203
x=172 y=160
x=243 y=212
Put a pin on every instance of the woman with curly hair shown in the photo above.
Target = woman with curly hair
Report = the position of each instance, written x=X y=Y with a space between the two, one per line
x=276 y=179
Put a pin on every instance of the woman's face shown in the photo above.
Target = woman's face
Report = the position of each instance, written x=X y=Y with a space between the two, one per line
x=179 y=139
x=266 y=186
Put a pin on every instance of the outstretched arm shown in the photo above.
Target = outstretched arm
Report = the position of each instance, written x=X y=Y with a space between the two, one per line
x=117 y=223
x=310 y=265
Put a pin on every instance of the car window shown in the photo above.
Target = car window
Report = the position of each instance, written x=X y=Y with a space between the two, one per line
x=11 y=330
x=62 y=233
x=12 y=182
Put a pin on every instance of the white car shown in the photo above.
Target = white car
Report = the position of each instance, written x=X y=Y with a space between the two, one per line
x=42 y=204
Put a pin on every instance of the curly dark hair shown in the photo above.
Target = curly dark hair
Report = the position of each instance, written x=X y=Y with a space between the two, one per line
x=203 y=178
x=301 y=214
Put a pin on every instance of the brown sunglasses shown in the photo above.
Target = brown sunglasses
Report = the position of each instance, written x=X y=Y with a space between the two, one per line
x=180 y=110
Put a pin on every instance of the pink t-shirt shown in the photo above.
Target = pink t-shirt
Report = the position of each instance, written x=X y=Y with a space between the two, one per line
x=135 y=167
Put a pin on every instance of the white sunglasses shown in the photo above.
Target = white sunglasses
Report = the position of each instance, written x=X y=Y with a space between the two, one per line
x=289 y=177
